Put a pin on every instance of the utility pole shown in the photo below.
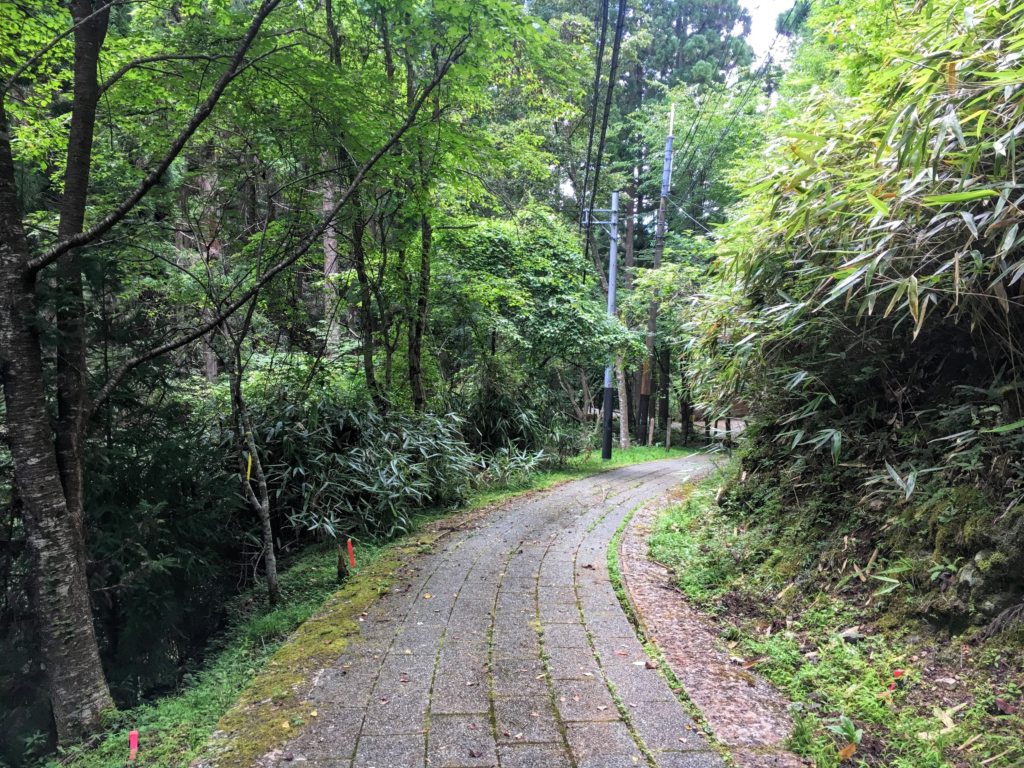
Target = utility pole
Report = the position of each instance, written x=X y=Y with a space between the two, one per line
x=644 y=411
x=609 y=371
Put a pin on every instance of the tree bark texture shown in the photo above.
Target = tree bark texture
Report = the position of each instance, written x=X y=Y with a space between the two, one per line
x=72 y=377
x=620 y=377
x=259 y=500
x=78 y=690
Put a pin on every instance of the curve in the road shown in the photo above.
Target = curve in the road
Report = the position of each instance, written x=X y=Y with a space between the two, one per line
x=508 y=647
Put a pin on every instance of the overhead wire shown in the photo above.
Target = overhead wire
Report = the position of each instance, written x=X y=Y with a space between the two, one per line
x=613 y=67
x=687 y=146
x=744 y=99
x=598 y=64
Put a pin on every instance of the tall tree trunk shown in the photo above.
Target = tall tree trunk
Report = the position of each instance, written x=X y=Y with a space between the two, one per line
x=685 y=410
x=629 y=261
x=418 y=326
x=78 y=690
x=208 y=246
x=665 y=388
x=367 y=319
x=620 y=376
x=72 y=378
x=331 y=267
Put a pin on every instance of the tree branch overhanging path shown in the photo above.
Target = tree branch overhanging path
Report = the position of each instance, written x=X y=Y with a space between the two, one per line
x=53 y=514
x=307 y=242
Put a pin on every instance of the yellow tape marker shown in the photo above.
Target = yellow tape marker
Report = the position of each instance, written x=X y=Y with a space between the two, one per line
x=248 y=470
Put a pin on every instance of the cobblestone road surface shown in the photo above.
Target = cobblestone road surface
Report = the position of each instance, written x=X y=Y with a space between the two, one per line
x=507 y=647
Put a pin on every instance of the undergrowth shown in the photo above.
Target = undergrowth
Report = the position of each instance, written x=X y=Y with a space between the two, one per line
x=857 y=666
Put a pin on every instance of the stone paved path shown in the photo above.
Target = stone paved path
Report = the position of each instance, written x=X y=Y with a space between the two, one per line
x=508 y=647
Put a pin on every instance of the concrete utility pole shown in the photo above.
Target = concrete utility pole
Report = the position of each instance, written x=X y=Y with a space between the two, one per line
x=644 y=409
x=609 y=371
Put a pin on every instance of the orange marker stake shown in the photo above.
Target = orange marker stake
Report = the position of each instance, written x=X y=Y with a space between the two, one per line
x=351 y=555
x=133 y=745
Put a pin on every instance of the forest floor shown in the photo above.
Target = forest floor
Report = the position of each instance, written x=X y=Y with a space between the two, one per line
x=503 y=640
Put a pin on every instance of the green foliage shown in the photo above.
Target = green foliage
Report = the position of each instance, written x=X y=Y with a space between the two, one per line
x=341 y=471
x=865 y=294
x=768 y=580
x=518 y=286
x=162 y=522
x=175 y=728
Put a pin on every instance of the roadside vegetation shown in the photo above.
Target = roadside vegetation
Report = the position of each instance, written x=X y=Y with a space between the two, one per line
x=864 y=300
x=871 y=681
x=175 y=729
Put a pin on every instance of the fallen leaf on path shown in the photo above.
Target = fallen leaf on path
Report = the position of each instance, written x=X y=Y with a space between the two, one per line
x=852 y=634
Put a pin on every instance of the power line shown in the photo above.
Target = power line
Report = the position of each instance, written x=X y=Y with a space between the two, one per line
x=687 y=147
x=717 y=147
x=744 y=99
x=595 y=100
x=613 y=67
x=620 y=25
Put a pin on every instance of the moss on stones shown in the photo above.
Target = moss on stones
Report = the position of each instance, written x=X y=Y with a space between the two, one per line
x=272 y=709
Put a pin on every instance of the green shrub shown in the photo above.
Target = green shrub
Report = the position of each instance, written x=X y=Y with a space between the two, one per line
x=336 y=470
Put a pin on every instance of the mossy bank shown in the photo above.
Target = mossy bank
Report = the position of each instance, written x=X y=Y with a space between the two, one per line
x=833 y=614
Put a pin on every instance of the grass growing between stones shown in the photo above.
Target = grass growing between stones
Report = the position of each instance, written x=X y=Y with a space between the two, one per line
x=836 y=657
x=246 y=685
x=652 y=651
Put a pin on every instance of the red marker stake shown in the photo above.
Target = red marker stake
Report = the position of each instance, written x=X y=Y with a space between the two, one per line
x=351 y=555
x=133 y=745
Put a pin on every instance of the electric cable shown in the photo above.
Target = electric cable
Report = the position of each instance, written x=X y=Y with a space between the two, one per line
x=595 y=100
